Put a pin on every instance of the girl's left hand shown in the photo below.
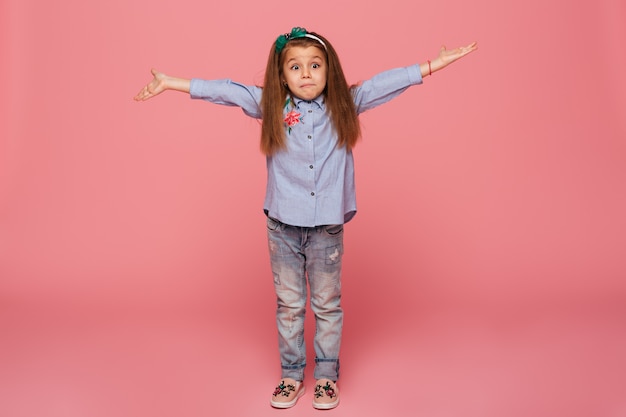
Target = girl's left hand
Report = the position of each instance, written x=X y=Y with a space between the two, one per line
x=448 y=56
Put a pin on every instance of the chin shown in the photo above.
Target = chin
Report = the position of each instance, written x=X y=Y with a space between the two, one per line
x=309 y=97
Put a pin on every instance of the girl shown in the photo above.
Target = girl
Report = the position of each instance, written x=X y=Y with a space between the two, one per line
x=309 y=126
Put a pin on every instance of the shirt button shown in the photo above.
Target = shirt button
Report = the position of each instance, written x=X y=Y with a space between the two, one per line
x=311 y=166
x=310 y=111
x=312 y=193
x=309 y=136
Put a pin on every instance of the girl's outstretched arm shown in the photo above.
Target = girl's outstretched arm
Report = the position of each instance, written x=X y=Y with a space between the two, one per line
x=446 y=57
x=160 y=83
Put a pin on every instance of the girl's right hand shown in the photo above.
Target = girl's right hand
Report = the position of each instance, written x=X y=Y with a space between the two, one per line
x=154 y=87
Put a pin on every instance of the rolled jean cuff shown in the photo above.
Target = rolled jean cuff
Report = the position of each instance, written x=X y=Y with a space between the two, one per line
x=294 y=371
x=327 y=369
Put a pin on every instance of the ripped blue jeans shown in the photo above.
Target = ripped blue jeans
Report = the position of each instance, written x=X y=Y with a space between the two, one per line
x=298 y=255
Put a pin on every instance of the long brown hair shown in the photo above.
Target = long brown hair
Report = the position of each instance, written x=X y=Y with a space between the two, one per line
x=337 y=94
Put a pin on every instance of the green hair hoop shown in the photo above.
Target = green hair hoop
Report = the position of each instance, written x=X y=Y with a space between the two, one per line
x=296 y=32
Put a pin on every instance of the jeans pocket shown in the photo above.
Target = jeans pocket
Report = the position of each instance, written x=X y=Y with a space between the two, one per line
x=272 y=224
x=333 y=229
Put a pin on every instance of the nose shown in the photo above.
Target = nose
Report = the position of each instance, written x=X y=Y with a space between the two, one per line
x=306 y=73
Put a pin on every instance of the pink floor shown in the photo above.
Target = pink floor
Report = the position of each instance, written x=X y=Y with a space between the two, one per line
x=75 y=361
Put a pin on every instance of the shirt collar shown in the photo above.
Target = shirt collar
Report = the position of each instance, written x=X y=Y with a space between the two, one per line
x=319 y=101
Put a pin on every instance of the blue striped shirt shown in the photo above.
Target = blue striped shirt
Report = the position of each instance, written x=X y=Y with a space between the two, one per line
x=311 y=182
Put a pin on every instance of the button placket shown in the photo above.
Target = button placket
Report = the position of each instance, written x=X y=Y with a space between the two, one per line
x=309 y=137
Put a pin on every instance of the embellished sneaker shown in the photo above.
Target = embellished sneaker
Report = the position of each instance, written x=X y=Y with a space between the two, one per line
x=326 y=395
x=287 y=393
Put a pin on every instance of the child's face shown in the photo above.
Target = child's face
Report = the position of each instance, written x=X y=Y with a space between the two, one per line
x=304 y=71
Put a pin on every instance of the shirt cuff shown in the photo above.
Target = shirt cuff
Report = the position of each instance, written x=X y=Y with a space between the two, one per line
x=197 y=88
x=415 y=74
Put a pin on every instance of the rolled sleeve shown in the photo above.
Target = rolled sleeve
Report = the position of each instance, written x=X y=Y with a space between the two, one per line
x=385 y=86
x=228 y=93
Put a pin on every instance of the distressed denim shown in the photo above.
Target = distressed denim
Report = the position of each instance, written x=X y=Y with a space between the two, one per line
x=298 y=255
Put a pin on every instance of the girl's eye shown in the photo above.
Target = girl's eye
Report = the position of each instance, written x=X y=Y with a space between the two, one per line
x=295 y=67
x=316 y=65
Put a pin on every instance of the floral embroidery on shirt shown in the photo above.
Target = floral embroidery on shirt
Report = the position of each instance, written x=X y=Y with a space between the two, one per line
x=292 y=118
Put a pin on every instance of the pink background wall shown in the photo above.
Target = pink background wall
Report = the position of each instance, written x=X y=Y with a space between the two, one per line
x=484 y=273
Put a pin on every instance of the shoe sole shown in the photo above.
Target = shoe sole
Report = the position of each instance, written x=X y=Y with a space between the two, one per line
x=325 y=406
x=291 y=403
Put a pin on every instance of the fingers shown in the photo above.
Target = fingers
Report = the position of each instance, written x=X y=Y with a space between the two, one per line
x=144 y=94
x=454 y=54
x=147 y=92
x=463 y=50
x=469 y=48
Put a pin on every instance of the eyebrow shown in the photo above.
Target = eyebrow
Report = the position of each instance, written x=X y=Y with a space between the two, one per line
x=316 y=57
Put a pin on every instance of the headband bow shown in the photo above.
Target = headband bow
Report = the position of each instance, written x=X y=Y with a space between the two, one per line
x=296 y=32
